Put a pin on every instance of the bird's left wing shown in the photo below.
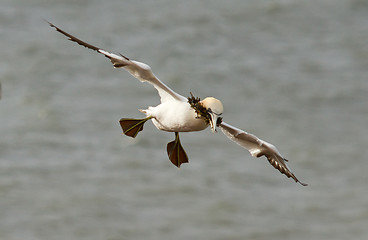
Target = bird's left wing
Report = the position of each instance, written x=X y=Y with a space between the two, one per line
x=139 y=70
x=258 y=148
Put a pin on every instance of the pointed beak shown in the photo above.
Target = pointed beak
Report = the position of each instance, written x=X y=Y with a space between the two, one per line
x=213 y=121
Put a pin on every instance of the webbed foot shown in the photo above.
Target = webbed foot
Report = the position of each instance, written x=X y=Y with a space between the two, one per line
x=176 y=152
x=131 y=127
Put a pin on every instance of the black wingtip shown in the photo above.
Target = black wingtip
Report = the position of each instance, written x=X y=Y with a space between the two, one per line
x=297 y=180
x=46 y=21
x=50 y=24
x=72 y=38
x=303 y=184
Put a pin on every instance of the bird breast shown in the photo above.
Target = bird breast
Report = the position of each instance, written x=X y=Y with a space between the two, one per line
x=176 y=116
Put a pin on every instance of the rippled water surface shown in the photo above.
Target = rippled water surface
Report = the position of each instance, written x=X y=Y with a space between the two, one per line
x=295 y=73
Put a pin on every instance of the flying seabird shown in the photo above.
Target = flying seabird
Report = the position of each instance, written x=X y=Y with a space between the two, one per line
x=177 y=114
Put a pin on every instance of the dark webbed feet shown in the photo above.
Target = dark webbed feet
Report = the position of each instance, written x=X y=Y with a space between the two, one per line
x=131 y=127
x=176 y=152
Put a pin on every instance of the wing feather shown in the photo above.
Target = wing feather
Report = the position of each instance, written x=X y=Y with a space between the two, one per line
x=258 y=148
x=139 y=70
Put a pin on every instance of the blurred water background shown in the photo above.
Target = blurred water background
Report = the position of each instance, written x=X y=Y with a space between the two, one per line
x=293 y=72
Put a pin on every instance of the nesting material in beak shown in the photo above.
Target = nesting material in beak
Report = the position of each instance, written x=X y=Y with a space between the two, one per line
x=209 y=109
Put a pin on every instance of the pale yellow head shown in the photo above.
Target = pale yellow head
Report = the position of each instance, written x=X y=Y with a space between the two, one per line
x=214 y=108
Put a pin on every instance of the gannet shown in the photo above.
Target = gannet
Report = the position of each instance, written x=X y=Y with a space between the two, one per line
x=177 y=113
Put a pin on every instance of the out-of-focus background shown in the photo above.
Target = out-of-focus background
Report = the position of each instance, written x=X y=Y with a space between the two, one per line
x=294 y=73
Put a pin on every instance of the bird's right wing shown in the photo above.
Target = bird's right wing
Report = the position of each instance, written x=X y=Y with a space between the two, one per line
x=139 y=70
x=258 y=148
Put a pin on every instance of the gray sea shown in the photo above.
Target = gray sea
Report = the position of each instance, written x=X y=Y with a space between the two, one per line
x=292 y=72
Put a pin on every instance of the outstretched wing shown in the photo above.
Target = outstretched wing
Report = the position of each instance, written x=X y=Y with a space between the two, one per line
x=258 y=148
x=139 y=70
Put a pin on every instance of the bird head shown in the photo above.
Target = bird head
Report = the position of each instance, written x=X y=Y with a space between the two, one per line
x=214 y=108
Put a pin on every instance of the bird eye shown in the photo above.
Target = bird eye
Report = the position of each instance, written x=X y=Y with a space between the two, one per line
x=209 y=110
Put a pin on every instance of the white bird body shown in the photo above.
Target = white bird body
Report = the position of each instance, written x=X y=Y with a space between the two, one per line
x=175 y=116
x=179 y=114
